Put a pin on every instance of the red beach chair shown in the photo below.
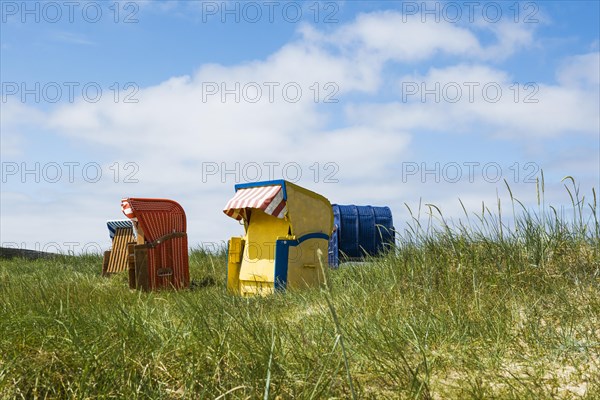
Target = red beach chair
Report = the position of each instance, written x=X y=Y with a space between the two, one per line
x=160 y=257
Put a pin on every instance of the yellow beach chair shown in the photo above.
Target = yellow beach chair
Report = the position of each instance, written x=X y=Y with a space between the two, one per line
x=285 y=226
x=121 y=234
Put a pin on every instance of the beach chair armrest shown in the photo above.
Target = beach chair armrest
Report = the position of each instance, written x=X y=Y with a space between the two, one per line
x=163 y=239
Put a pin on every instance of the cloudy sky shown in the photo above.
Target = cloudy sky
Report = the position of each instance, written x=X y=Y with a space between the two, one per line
x=366 y=102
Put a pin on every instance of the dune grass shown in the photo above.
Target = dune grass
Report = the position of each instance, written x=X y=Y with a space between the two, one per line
x=472 y=310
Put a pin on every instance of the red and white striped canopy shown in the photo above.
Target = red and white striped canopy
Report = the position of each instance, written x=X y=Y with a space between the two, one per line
x=267 y=198
x=127 y=210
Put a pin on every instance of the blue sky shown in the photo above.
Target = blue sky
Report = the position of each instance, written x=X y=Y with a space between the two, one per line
x=399 y=102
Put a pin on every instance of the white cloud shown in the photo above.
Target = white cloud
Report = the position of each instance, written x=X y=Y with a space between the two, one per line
x=11 y=145
x=176 y=108
x=390 y=35
x=510 y=38
x=17 y=119
x=580 y=71
x=479 y=98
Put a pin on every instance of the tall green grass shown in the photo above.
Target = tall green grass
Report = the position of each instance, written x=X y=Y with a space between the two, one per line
x=481 y=308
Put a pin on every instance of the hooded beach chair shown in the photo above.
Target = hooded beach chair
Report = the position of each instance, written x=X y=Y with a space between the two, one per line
x=159 y=257
x=285 y=227
x=359 y=232
x=121 y=234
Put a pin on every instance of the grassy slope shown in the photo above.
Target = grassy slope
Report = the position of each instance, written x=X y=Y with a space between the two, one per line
x=453 y=314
